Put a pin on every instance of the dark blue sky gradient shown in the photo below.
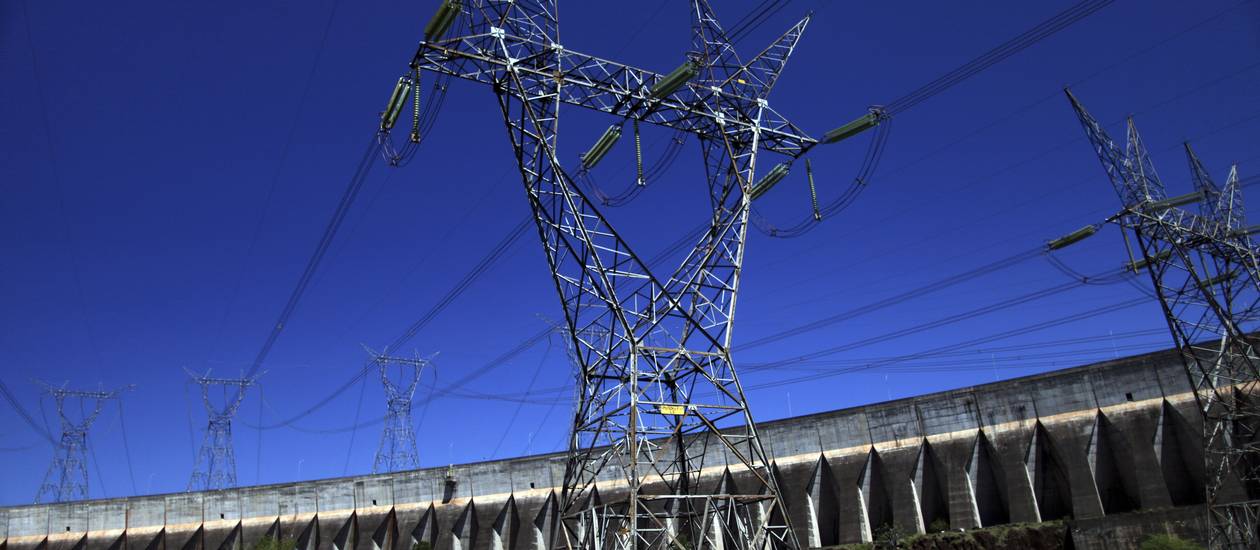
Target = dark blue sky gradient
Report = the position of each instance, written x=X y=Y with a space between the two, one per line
x=128 y=220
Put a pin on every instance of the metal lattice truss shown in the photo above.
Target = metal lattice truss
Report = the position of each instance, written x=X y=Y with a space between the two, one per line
x=397 y=450
x=215 y=465
x=67 y=477
x=1205 y=273
x=657 y=391
x=501 y=38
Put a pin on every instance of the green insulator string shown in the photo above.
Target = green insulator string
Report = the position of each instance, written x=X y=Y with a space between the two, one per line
x=813 y=192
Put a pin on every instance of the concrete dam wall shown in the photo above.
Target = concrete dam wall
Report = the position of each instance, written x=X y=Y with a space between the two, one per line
x=1088 y=443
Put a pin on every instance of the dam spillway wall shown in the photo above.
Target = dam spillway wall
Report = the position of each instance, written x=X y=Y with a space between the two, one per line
x=1086 y=443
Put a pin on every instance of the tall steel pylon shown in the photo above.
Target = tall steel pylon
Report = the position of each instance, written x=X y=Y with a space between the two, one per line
x=1204 y=270
x=397 y=450
x=215 y=464
x=657 y=387
x=67 y=477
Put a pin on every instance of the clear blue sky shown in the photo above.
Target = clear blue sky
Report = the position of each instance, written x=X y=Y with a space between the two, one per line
x=128 y=218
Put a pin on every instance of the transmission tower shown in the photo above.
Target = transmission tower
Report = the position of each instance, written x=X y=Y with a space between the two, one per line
x=67 y=477
x=215 y=465
x=657 y=387
x=398 y=439
x=1204 y=270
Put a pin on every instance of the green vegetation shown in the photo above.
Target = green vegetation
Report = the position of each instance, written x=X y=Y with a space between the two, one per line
x=1021 y=536
x=938 y=525
x=272 y=543
x=422 y=545
x=888 y=536
x=1168 y=542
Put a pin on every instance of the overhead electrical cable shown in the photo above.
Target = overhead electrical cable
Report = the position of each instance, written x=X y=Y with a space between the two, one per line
x=281 y=158
x=808 y=223
x=1111 y=308
x=1046 y=359
x=1057 y=343
x=43 y=432
x=507 y=428
x=947 y=320
x=1019 y=43
x=688 y=238
x=17 y=449
x=1113 y=276
x=755 y=18
x=870 y=162
x=463 y=283
x=924 y=290
x=358 y=410
x=632 y=190
x=312 y=265
x=453 y=389
x=66 y=226
x=96 y=464
x=122 y=423
x=549 y=396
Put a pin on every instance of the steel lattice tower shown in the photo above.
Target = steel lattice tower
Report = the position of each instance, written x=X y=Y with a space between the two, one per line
x=1204 y=270
x=67 y=477
x=397 y=450
x=215 y=466
x=656 y=387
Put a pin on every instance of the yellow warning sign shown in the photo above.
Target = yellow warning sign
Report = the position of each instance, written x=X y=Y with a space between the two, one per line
x=673 y=409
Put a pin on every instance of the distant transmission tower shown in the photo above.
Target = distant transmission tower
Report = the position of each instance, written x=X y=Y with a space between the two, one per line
x=67 y=477
x=1204 y=270
x=397 y=450
x=215 y=466
x=657 y=389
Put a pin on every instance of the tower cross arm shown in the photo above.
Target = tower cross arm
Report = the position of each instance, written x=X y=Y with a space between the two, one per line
x=610 y=87
x=1192 y=229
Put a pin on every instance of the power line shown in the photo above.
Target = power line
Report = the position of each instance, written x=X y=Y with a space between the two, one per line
x=131 y=472
x=952 y=347
x=947 y=320
x=58 y=187
x=464 y=282
x=999 y=53
x=358 y=410
x=808 y=223
x=528 y=388
x=755 y=18
x=934 y=286
x=1019 y=43
x=43 y=432
x=312 y=264
x=285 y=147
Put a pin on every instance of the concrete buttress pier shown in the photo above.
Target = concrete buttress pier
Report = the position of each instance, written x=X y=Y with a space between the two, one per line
x=1088 y=443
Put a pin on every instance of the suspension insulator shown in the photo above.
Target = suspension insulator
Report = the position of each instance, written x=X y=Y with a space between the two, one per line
x=813 y=192
x=415 y=107
x=442 y=20
x=775 y=175
x=1219 y=279
x=396 y=102
x=674 y=80
x=1072 y=238
x=1252 y=230
x=861 y=124
x=1144 y=263
x=1180 y=200
x=638 y=153
x=604 y=144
